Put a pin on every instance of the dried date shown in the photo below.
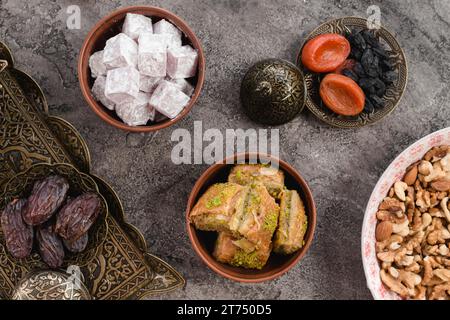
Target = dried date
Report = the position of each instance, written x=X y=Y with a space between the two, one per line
x=78 y=215
x=50 y=246
x=77 y=246
x=18 y=235
x=47 y=196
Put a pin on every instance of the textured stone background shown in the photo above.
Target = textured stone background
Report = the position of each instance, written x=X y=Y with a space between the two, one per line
x=342 y=166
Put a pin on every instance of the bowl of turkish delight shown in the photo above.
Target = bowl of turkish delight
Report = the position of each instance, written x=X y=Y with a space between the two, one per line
x=141 y=68
x=251 y=217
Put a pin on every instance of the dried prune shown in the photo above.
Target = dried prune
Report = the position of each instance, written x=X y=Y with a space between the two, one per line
x=380 y=87
x=370 y=63
x=368 y=85
x=77 y=246
x=376 y=101
x=349 y=73
x=357 y=41
x=47 y=196
x=368 y=106
x=18 y=235
x=380 y=52
x=370 y=38
x=50 y=246
x=359 y=70
x=356 y=53
x=78 y=215
x=387 y=64
x=389 y=77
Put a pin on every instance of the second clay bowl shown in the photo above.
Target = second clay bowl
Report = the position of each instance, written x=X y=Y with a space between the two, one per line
x=203 y=242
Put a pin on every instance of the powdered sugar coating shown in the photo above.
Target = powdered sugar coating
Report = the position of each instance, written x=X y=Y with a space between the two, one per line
x=182 y=62
x=122 y=84
x=96 y=64
x=168 y=99
x=98 y=91
x=120 y=51
x=136 y=24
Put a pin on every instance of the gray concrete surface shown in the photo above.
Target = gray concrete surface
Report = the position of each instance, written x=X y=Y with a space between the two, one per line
x=342 y=166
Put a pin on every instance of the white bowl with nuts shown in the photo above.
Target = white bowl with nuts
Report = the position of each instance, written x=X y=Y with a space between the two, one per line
x=405 y=238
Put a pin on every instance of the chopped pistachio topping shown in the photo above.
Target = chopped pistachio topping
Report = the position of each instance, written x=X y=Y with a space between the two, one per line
x=247 y=260
x=226 y=190
x=271 y=222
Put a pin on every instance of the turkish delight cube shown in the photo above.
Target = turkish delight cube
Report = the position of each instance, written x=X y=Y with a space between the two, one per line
x=96 y=64
x=173 y=41
x=183 y=85
x=168 y=99
x=136 y=112
x=182 y=62
x=122 y=84
x=152 y=57
x=165 y=27
x=149 y=84
x=136 y=24
x=98 y=91
x=120 y=51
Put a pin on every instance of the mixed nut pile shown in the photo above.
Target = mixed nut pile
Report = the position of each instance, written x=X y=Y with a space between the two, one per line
x=56 y=222
x=413 y=231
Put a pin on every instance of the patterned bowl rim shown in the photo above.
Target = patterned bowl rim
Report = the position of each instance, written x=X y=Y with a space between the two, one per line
x=367 y=215
x=333 y=121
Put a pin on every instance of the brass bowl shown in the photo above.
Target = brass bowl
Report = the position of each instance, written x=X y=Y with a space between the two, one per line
x=50 y=285
x=20 y=186
x=273 y=92
x=393 y=94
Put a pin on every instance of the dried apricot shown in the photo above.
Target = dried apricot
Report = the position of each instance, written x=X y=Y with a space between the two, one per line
x=325 y=52
x=342 y=95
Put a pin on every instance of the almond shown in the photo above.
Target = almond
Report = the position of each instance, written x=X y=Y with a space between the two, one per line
x=383 y=231
x=411 y=176
x=441 y=185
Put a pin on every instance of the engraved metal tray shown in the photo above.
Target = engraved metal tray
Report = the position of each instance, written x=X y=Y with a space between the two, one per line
x=122 y=267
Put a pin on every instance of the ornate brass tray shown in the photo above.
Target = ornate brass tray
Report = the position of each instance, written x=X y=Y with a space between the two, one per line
x=122 y=268
x=50 y=285
x=393 y=93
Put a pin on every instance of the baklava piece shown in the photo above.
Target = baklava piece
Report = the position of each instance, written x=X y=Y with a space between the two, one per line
x=215 y=208
x=270 y=177
x=292 y=223
x=256 y=216
x=240 y=252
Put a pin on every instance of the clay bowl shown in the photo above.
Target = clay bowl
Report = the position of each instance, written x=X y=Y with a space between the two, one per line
x=110 y=26
x=203 y=242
